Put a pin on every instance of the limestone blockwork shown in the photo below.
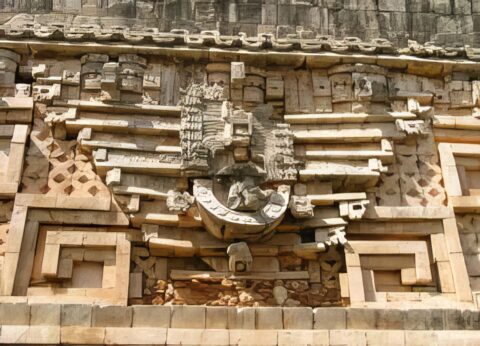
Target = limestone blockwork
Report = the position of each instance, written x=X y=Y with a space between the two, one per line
x=220 y=173
x=445 y=22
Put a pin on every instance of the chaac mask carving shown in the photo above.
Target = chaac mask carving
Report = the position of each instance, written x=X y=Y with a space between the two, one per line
x=248 y=156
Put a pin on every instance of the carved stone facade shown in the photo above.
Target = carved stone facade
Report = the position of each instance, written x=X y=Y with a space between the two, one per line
x=183 y=188
x=444 y=22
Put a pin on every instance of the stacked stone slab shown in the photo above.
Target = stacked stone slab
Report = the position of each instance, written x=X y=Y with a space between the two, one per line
x=140 y=325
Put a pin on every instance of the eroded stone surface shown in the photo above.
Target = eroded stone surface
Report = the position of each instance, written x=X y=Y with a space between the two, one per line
x=193 y=186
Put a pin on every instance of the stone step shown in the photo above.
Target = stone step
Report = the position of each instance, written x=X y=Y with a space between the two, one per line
x=132 y=142
x=344 y=133
x=16 y=311
x=72 y=335
x=456 y=122
x=345 y=118
x=127 y=124
x=166 y=111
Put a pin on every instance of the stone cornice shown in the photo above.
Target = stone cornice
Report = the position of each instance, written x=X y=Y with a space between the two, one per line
x=306 y=42
x=424 y=66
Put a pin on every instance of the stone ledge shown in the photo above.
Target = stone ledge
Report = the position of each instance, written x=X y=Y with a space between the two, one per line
x=247 y=318
x=293 y=58
x=53 y=335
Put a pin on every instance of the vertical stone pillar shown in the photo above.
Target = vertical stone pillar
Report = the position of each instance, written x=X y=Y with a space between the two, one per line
x=131 y=73
x=8 y=66
x=232 y=12
x=91 y=75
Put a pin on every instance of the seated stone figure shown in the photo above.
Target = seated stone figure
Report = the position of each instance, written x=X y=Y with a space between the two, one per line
x=245 y=195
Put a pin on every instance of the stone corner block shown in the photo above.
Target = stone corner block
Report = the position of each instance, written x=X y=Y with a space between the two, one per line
x=361 y=318
x=180 y=336
x=76 y=315
x=154 y=316
x=298 y=318
x=303 y=337
x=82 y=335
x=425 y=319
x=217 y=317
x=391 y=319
x=330 y=318
x=14 y=314
x=254 y=337
x=43 y=335
x=112 y=316
x=347 y=337
x=269 y=318
x=14 y=334
x=241 y=318
x=385 y=337
x=135 y=336
x=184 y=316
x=45 y=314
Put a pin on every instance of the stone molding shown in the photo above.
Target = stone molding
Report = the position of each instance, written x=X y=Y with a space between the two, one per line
x=304 y=41
x=246 y=318
x=53 y=335
x=78 y=324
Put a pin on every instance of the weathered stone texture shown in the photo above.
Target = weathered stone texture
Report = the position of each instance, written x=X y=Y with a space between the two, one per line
x=441 y=21
x=255 y=176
